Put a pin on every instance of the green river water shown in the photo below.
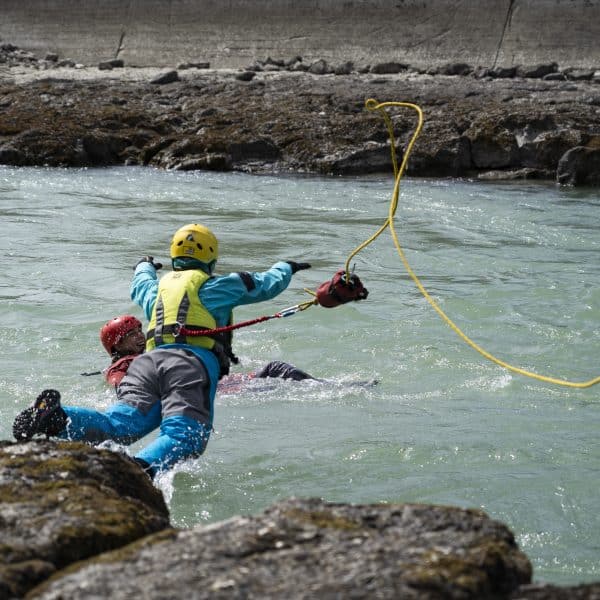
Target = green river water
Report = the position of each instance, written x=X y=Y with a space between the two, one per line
x=515 y=265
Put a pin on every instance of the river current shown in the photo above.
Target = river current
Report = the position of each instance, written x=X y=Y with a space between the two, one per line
x=515 y=265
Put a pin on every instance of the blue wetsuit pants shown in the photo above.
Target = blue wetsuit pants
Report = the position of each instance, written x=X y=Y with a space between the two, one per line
x=167 y=387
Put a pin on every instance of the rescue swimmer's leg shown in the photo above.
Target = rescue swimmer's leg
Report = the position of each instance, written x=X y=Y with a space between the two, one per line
x=186 y=401
x=179 y=438
x=135 y=414
x=120 y=422
x=283 y=370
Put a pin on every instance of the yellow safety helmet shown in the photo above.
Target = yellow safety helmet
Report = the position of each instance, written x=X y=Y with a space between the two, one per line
x=197 y=242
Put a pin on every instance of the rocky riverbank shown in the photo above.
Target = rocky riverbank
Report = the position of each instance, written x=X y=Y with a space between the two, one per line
x=79 y=522
x=287 y=116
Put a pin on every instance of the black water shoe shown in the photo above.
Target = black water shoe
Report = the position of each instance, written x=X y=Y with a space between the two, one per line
x=45 y=416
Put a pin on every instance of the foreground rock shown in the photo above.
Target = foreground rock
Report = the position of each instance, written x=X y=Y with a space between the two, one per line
x=63 y=502
x=310 y=549
x=78 y=523
x=553 y=592
x=296 y=121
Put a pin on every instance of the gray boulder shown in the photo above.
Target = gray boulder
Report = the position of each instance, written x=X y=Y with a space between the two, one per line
x=63 y=502
x=542 y=148
x=11 y=156
x=313 y=549
x=493 y=145
x=245 y=75
x=388 y=68
x=80 y=523
x=579 y=74
x=344 y=69
x=503 y=72
x=210 y=161
x=580 y=166
x=447 y=154
x=193 y=65
x=319 y=67
x=455 y=69
x=108 y=65
x=372 y=157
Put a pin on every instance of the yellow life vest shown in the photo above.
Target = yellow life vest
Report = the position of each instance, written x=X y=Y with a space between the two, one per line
x=177 y=304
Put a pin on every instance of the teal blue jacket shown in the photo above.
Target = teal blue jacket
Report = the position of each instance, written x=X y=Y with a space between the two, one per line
x=220 y=295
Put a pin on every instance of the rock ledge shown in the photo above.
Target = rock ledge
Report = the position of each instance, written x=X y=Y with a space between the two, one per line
x=79 y=522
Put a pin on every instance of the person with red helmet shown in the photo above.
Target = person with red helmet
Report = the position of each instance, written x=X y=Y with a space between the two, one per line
x=123 y=338
x=117 y=331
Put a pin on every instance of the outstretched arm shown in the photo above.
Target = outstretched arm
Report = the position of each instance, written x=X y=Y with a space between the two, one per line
x=144 y=287
x=222 y=294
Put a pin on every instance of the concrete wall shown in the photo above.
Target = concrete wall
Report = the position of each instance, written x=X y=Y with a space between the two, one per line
x=233 y=33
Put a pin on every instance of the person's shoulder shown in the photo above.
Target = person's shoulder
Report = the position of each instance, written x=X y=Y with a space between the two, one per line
x=117 y=370
x=229 y=279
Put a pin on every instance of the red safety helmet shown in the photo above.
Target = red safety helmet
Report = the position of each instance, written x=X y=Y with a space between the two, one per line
x=116 y=329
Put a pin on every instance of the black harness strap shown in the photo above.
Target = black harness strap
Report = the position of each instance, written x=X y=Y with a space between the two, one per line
x=182 y=312
x=158 y=331
x=247 y=280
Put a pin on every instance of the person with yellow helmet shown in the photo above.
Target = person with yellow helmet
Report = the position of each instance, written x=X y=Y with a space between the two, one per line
x=179 y=372
x=173 y=384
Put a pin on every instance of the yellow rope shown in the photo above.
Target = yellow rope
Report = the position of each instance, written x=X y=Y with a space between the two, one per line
x=373 y=105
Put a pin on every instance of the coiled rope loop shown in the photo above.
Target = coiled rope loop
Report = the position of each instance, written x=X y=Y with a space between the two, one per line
x=374 y=106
